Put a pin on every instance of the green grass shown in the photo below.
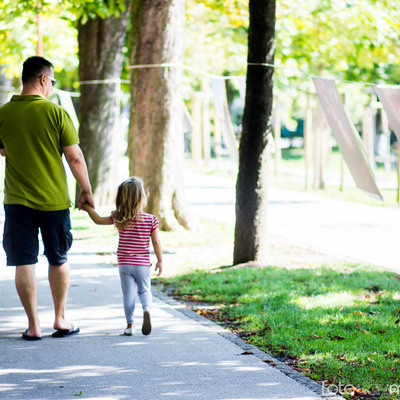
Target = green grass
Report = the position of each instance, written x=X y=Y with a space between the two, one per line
x=335 y=323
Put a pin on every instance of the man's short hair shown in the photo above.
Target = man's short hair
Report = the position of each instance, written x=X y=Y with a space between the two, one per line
x=33 y=67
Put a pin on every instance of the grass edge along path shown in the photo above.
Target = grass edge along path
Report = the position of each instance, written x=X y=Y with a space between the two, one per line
x=338 y=325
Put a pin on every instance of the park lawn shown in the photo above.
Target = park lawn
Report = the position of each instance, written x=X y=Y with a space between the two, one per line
x=334 y=323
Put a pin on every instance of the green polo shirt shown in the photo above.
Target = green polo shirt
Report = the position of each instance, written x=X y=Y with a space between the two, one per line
x=33 y=132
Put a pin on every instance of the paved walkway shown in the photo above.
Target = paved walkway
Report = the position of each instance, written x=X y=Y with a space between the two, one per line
x=186 y=356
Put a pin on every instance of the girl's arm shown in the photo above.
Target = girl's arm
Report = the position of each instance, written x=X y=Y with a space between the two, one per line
x=157 y=250
x=96 y=217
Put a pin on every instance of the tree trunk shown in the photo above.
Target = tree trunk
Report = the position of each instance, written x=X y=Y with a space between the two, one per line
x=251 y=185
x=155 y=145
x=100 y=54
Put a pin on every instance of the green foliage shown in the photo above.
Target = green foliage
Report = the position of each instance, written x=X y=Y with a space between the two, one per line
x=59 y=19
x=354 y=40
x=350 y=39
x=216 y=35
x=16 y=44
x=86 y=9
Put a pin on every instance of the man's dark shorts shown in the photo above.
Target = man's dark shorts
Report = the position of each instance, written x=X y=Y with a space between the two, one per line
x=21 y=230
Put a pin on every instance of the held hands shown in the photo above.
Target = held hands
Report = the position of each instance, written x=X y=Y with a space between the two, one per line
x=85 y=198
x=159 y=267
x=86 y=207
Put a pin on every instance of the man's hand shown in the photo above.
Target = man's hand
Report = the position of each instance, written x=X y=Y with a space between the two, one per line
x=3 y=152
x=85 y=198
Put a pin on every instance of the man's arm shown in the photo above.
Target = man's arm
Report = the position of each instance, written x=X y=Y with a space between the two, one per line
x=76 y=161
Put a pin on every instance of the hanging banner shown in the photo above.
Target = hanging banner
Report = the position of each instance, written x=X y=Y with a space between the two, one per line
x=389 y=96
x=66 y=102
x=222 y=111
x=242 y=86
x=346 y=135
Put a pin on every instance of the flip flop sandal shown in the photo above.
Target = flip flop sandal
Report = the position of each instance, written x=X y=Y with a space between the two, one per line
x=66 y=332
x=28 y=338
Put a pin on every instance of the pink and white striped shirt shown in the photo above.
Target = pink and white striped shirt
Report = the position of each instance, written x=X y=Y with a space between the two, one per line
x=134 y=241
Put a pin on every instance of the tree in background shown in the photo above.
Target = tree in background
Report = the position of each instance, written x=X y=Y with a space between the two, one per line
x=155 y=144
x=17 y=44
x=101 y=38
x=101 y=27
x=251 y=185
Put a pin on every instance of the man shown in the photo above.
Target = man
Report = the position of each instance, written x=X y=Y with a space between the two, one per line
x=34 y=133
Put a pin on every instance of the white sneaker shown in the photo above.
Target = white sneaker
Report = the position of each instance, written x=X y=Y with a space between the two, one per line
x=129 y=331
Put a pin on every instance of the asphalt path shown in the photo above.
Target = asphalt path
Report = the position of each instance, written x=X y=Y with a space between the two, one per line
x=358 y=232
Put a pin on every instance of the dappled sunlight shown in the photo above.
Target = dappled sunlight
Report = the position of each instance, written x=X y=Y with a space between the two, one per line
x=268 y=384
x=73 y=371
x=130 y=344
x=7 y=273
x=329 y=300
x=4 y=387
x=232 y=366
x=173 y=364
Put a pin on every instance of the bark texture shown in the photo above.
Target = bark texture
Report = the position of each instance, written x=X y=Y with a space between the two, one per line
x=155 y=145
x=100 y=53
x=251 y=185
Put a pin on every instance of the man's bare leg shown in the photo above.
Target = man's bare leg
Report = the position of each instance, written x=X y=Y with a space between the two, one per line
x=59 y=276
x=25 y=282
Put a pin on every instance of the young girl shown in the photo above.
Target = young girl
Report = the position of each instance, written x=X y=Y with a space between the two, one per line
x=135 y=229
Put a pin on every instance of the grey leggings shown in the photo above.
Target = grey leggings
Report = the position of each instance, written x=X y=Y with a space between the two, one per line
x=135 y=279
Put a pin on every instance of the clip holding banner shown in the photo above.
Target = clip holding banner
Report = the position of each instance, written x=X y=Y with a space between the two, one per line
x=346 y=136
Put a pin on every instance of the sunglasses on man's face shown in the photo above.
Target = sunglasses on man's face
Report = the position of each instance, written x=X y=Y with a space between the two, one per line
x=53 y=81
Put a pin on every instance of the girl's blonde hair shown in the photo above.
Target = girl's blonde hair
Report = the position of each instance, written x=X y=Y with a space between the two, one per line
x=130 y=200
